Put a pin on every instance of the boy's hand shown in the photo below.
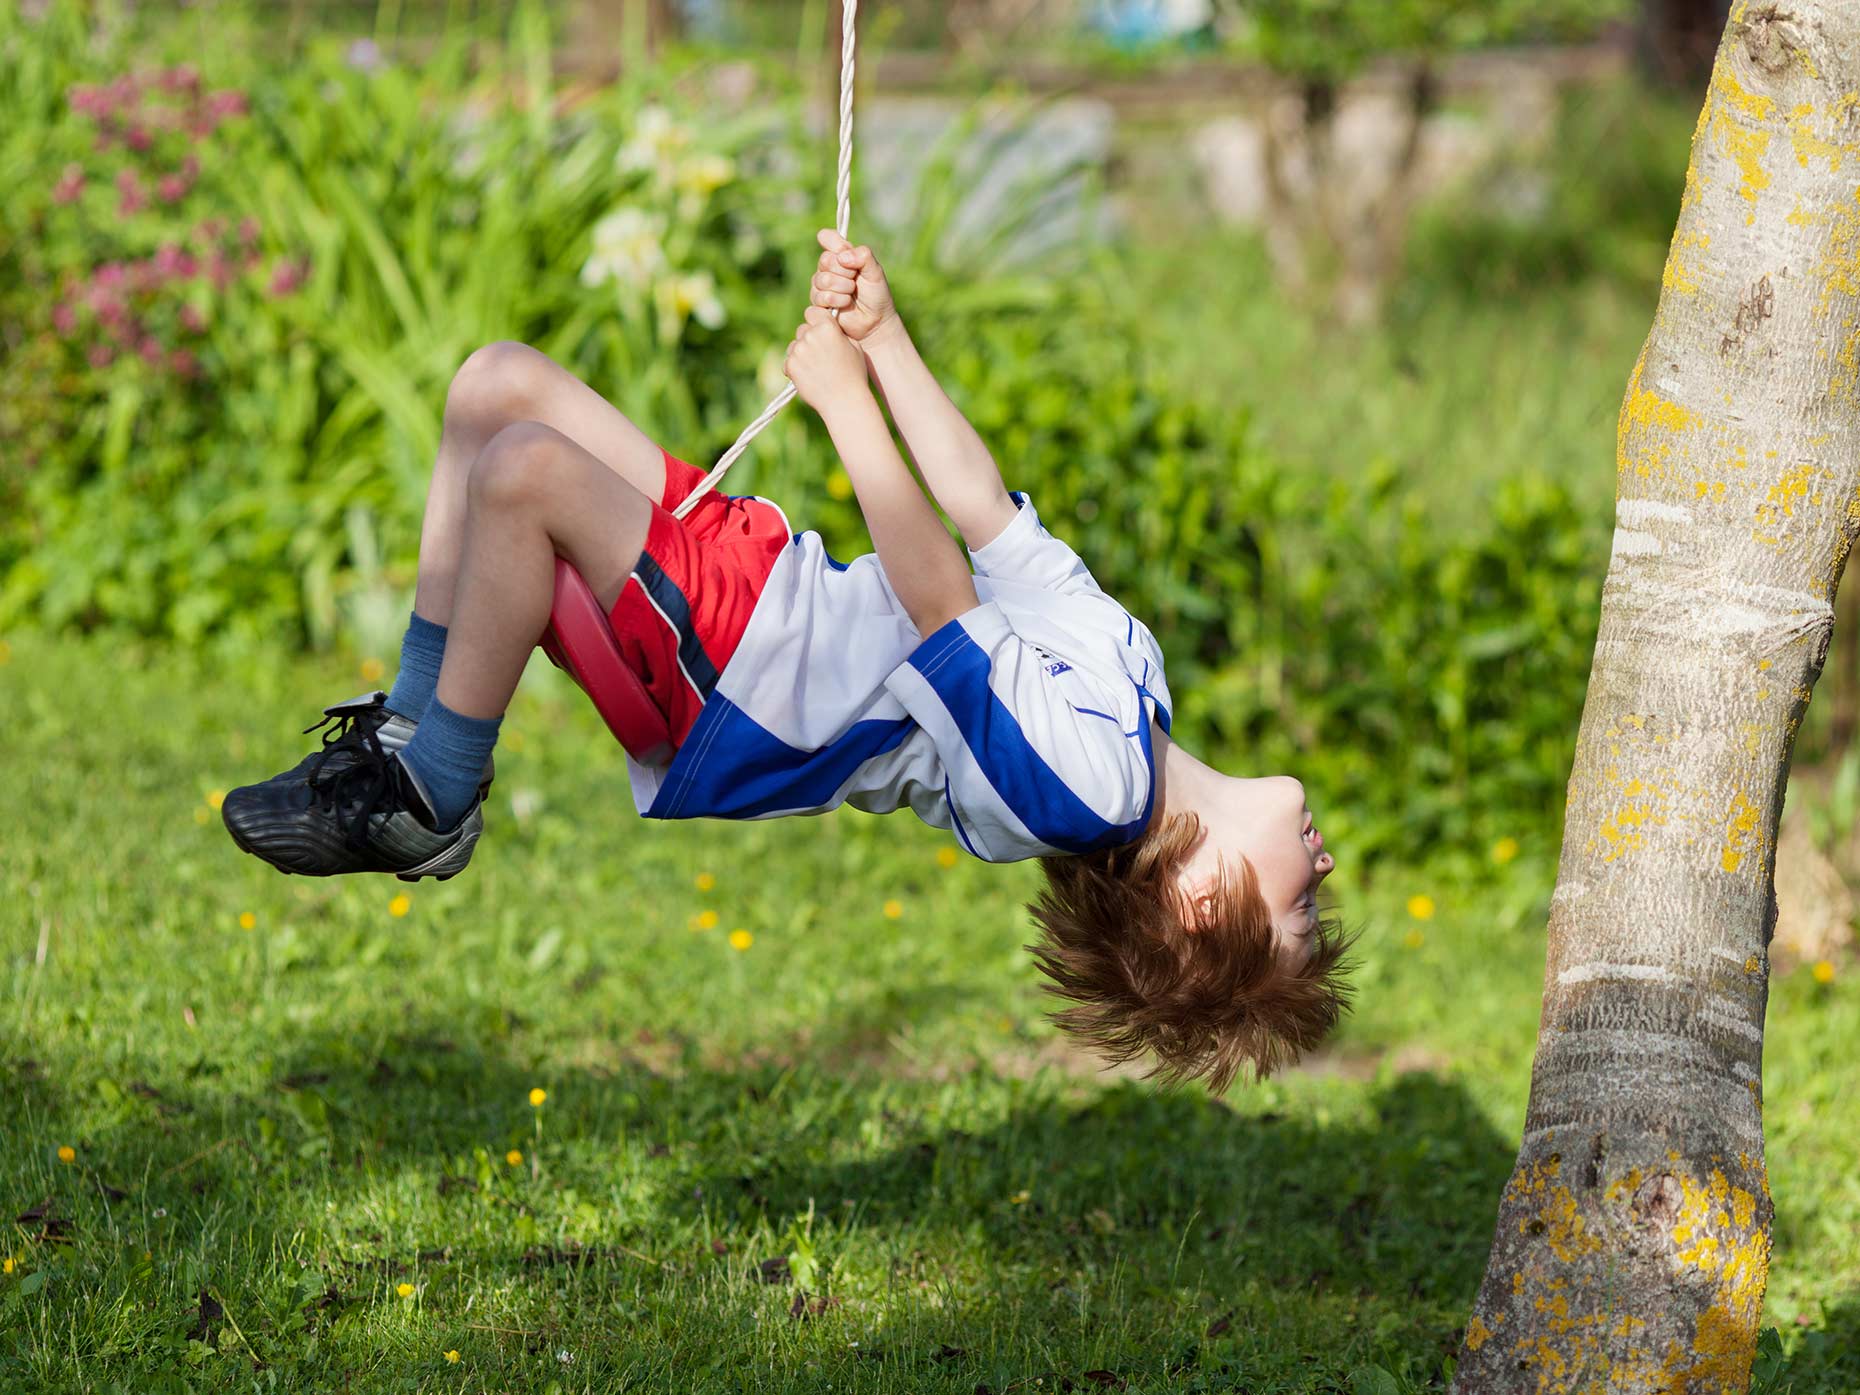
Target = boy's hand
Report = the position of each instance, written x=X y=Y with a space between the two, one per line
x=824 y=365
x=850 y=280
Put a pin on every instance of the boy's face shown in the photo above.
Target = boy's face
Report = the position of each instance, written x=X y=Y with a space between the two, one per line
x=1266 y=821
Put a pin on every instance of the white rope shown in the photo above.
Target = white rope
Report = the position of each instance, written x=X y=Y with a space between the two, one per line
x=843 y=222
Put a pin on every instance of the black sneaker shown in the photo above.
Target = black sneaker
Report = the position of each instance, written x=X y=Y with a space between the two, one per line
x=351 y=724
x=365 y=812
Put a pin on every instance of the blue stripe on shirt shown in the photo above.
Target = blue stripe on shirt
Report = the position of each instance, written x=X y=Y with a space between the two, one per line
x=957 y=668
x=759 y=773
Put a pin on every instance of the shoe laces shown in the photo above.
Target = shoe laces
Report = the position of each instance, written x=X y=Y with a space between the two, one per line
x=361 y=786
x=346 y=733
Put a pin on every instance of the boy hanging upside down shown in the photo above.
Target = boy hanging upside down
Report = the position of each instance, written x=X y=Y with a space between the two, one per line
x=1020 y=707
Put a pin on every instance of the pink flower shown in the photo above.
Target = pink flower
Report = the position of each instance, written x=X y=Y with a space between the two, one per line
x=138 y=138
x=125 y=92
x=207 y=229
x=64 y=319
x=144 y=277
x=220 y=271
x=192 y=319
x=111 y=275
x=150 y=349
x=286 y=279
x=200 y=127
x=172 y=189
x=168 y=259
x=134 y=199
x=85 y=98
x=248 y=231
x=70 y=184
x=185 y=78
x=227 y=102
x=100 y=355
x=183 y=362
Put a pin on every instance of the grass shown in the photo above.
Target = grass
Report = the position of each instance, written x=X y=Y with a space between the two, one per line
x=272 y=1129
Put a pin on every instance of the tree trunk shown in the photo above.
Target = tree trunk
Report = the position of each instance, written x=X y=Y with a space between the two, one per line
x=1633 y=1239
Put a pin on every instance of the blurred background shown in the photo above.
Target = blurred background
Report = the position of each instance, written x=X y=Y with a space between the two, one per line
x=1306 y=322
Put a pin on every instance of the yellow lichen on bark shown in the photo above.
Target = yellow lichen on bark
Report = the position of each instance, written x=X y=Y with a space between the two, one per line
x=1647 y=414
x=1731 y=108
x=1739 y=823
x=1738 y=1256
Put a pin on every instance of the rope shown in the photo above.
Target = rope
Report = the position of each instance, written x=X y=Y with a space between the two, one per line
x=843 y=217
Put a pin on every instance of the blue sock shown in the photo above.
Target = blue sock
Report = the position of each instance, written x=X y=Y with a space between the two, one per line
x=447 y=753
x=420 y=652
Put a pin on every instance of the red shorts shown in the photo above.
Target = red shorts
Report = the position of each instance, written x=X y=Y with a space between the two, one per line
x=685 y=605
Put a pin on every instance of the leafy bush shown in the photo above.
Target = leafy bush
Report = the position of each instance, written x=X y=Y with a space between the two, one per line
x=1331 y=38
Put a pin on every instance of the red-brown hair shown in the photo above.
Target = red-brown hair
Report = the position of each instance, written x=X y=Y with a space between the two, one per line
x=1203 y=988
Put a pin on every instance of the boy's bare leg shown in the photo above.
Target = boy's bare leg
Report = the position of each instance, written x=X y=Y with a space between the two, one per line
x=498 y=386
x=531 y=494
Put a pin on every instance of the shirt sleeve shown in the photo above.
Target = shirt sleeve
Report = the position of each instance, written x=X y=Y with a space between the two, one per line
x=1025 y=552
x=1042 y=758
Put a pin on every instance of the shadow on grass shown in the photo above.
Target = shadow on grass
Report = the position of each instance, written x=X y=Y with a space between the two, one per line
x=1213 y=1221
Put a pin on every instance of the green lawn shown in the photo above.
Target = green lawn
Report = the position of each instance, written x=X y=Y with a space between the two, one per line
x=298 y=1118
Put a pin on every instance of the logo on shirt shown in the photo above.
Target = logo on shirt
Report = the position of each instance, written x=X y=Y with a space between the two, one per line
x=1057 y=667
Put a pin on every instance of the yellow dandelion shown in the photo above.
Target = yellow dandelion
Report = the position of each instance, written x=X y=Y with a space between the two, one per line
x=707 y=920
x=1414 y=939
x=946 y=857
x=215 y=798
x=405 y=1290
x=66 y=1153
x=1504 y=850
x=741 y=939
x=400 y=905
x=1823 y=971
x=372 y=669
x=893 y=909
x=705 y=881
x=839 y=485
x=247 y=920
x=514 y=1157
x=6 y=1266
x=537 y=1096
x=1421 y=907
x=453 y=1357
x=1020 y=1198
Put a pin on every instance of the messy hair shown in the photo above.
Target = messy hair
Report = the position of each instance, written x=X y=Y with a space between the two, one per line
x=1151 y=969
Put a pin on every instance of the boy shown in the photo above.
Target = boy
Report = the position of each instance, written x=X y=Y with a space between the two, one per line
x=1020 y=706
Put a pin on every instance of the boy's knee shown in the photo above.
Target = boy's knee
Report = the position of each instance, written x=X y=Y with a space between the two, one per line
x=500 y=382
x=517 y=466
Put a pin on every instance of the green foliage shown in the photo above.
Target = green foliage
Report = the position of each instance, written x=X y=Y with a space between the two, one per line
x=412 y=228
x=1330 y=39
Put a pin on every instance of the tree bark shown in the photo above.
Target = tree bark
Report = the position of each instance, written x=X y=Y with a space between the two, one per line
x=1633 y=1239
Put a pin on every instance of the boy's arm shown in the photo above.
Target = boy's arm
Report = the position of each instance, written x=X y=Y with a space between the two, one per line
x=955 y=463
x=921 y=560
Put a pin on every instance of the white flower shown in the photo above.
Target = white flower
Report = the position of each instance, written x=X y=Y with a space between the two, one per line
x=626 y=249
x=656 y=141
x=705 y=173
x=693 y=295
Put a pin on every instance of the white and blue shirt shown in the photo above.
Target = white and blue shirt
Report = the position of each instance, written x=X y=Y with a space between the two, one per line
x=1023 y=726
